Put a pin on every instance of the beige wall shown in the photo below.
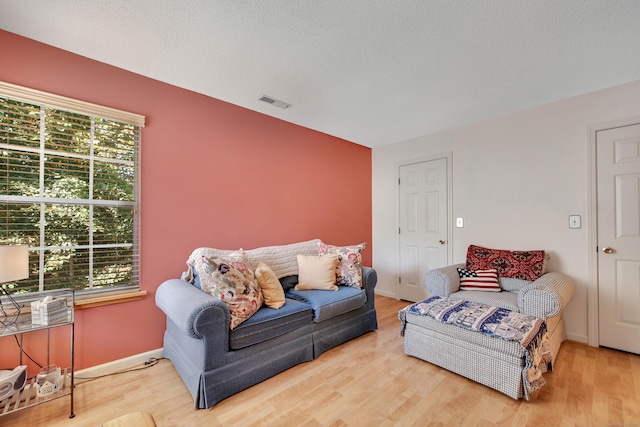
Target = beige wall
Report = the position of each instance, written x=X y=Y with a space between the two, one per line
x=516 y=180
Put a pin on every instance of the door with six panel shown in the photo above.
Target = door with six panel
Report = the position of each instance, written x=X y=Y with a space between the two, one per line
x=423 y=224
x=618 y=175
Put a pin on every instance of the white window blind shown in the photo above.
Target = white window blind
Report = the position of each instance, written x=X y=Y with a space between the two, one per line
x=69 y=179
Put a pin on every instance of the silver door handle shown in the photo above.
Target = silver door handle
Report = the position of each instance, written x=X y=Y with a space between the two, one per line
x=608 y=250
x=441 y=242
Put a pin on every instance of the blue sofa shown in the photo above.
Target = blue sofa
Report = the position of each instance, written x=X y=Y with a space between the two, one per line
x=216 y=362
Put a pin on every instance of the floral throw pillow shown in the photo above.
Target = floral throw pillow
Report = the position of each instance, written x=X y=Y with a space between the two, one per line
x=527 y=265
x=349 y=268
x=230 y=279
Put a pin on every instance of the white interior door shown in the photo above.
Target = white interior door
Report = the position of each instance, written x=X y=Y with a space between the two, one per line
x=618 y=184
x=422 y=224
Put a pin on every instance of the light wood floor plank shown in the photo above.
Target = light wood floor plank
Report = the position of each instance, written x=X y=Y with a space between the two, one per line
x=368 y=381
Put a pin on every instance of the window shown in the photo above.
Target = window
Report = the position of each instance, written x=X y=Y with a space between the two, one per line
x=69 y=189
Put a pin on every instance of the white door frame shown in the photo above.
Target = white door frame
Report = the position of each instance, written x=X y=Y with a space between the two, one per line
x=449 y=159
x=592 y=298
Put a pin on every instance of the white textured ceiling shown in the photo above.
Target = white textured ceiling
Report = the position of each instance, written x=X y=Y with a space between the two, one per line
x=373 y=72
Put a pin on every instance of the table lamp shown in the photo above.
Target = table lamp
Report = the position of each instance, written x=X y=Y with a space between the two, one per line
x=14 y=265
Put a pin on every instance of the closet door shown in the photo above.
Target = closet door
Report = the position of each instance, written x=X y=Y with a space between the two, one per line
x=423 y=214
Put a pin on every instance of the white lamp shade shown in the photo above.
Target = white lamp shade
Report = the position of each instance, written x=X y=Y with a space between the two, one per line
x=14 y=263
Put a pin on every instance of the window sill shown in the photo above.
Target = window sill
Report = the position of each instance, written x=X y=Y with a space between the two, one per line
x=100 y=300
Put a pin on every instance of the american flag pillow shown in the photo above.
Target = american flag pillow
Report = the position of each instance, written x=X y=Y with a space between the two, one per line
x=479 y=280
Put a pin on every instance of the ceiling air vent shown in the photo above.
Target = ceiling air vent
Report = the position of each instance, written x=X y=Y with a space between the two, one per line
x=273 y=101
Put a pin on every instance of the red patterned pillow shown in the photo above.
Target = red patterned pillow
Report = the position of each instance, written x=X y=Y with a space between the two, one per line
x=527 y=265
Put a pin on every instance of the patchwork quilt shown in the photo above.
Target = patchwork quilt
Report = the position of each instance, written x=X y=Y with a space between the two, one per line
x=529 y=331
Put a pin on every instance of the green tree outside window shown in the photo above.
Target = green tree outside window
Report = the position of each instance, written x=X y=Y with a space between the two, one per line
x=68 y=189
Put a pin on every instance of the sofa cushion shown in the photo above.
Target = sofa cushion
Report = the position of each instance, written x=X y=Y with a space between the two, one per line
x=330 y=304
x=268 y=323
x=349 y=268
x=497 y=299
x=527 y=265
x=505 y=350
x=511 y=284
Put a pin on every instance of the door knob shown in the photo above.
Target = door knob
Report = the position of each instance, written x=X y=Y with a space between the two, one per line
x=441 y=242
x=608 y=250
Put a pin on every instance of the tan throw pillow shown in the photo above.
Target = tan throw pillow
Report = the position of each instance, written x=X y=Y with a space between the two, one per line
x=270 y=285
x=317 y=272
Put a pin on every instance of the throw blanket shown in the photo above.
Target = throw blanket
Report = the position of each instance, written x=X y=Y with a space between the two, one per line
x=282 y=259
x=529 y=331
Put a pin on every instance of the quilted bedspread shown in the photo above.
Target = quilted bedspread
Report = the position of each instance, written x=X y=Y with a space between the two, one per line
x=529 y=331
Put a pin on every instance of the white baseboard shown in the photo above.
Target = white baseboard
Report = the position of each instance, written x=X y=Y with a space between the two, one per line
x=385 y=294
x=116 y=365
x=579 y=338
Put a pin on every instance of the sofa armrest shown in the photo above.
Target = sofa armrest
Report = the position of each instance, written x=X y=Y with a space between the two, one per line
x=199 y=316
x=369 y=282
x=193 y=311
x=443 y=281
x=547 y=296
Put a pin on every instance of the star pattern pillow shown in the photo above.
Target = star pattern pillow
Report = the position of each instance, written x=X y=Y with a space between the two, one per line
x=479 y=280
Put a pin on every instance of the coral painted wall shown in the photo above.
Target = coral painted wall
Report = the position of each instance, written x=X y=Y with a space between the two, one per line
x=213 y=174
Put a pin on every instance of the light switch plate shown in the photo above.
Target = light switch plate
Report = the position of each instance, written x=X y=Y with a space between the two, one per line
x=575 y=221
x=459 y=222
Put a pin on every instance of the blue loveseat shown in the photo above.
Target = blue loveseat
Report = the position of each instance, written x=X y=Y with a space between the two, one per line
x=216 y=362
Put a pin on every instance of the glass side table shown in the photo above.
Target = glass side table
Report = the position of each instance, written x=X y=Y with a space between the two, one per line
x=52 y=382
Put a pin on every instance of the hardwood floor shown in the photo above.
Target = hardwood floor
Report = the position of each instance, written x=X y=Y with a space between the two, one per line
x=368 y=381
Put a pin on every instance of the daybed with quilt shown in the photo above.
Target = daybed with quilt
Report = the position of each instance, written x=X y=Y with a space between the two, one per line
x=512 y=280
